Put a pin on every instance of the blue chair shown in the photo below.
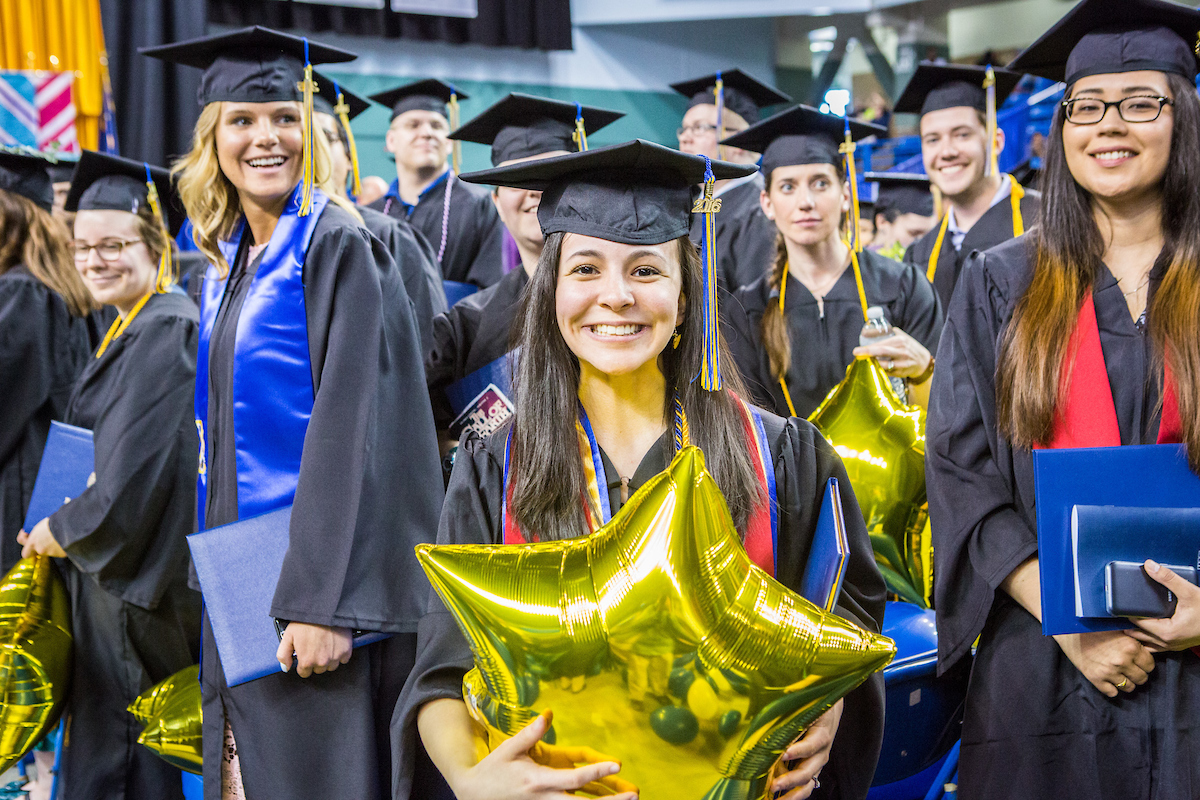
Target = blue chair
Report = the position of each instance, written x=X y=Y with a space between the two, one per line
x=923 y=711
x=456 y=291
x=193 y=787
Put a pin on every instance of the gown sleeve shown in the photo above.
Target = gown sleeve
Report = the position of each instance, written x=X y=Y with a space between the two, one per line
x=980 y=531
x=487 y=266
x=111 y=529
x=360 y=503
x=471 y=515
x=422 y=280
x=446 y=359
x=804 y=463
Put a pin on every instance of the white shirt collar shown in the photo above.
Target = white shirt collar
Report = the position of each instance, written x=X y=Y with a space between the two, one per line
x=957 y=234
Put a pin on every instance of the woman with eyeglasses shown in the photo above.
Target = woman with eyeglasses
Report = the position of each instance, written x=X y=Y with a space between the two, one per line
x=1071 y=322
x=121 y=544
x=44 y=310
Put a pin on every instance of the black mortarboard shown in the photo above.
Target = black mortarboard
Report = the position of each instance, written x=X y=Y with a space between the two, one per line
x=427 y=95
x=103 y=183
x=25 y=173
x=906 y=192
x=800 y=135
x=744 y=95
x=61 y=170
x=251 y=65
x=1099 y=37
x=934 y=87
x=326 y=97
x=521 y=125
x=638 y=192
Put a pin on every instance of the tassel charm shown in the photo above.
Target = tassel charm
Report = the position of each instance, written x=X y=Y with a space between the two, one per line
x=708 y=205
x=847 y=150
x=580 y=134
x=342 y=109
x=989 y=85
x=307 y=88
x=456 y=148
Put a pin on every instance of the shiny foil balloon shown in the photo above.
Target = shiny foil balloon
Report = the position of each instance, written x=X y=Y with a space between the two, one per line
x=656 y=641
x=882 y=443
x=35 y=655
x=171 y=712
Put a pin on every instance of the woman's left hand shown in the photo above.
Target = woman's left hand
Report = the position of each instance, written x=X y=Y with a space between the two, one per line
x=40 y=541
x=811 y=752
x=1182 y=629
x=900 y=355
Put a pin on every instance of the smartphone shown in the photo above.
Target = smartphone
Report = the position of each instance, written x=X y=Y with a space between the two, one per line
x=1129 y=591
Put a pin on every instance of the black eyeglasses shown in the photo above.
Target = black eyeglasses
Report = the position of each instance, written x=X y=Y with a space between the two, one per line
x=1137 y=108
x=109 y=250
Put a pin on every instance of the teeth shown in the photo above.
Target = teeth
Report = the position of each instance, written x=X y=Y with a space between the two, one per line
x=616 y=330
x=273 y=161
x=1113 y=155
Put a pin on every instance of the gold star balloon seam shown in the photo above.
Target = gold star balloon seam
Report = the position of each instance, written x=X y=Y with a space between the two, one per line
x=882 y=444
x=656 y=641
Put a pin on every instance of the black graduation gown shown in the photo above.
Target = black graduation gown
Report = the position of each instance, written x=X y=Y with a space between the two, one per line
x=745 y=237
x=418 y=268
x=135 y=620
x=475 y=239
x=474 y=333
x=823 y=345
x=993 y=228
x=369 y=490
x=803 y=461
x=43 y=348
x=1034 y=726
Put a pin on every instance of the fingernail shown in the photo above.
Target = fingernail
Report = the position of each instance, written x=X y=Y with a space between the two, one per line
x=283 y=667
x=1151 y=565
x=614 y=768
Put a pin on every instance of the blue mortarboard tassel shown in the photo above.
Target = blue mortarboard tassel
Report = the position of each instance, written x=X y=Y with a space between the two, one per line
x=708 y=205
x=307 y=88
x=989 y=86
x=166 y=262
x=580 y=134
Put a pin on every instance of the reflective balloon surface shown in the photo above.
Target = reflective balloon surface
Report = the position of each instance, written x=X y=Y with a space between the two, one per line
x=170 y=710
x=882 y=443
x=35 y=655
x=655 y=641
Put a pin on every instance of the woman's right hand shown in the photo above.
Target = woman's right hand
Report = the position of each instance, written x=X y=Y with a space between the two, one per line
x=524 y=767
x=1112 y=661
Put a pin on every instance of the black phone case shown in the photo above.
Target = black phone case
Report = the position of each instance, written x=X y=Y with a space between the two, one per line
x=1130 y=592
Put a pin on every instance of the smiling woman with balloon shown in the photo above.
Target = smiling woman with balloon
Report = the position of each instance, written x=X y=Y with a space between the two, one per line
x=621 y=369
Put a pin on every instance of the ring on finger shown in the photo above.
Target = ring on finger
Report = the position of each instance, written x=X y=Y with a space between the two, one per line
x=1124 y=682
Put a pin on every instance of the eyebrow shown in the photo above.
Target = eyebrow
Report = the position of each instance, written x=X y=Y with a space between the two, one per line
x=636 y=254
x=1125 y=90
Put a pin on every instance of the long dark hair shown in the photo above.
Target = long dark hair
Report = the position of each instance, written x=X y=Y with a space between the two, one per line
x=1069 y=256
x=546 y=472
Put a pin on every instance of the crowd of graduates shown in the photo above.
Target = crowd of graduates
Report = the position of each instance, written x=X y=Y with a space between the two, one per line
x=297 y=347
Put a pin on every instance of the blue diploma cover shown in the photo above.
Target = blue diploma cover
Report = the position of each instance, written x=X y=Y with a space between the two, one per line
x=67 y=463
x=830 y=548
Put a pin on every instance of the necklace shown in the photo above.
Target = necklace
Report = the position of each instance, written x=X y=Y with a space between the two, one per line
x=1139 y=287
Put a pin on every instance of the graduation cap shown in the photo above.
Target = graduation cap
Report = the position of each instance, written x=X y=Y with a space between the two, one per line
x=906 y=192
x=332 y=98
x=732 y=89
x=26 y=172
x=1099 y=37
x=934 y=87
x=521 y=126
x=62 y=170
x=427 y=95
x=800 y=135
x=638 y=192
x=111 y=183
x=257 y=65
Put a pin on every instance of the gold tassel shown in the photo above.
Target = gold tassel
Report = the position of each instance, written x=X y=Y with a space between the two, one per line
x=166 y=262
x=580 y=134
x=343 y=114
x=719 y=92
x=847 y=149
x=989 y=85
x=456 y=151
x=307 y=88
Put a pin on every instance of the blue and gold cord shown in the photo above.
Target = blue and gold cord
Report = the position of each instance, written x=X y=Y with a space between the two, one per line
x=580 y=134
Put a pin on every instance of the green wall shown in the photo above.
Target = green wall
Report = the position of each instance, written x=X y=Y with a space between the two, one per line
x=649 y=115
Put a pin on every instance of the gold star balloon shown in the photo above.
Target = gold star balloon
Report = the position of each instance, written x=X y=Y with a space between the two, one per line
x=35 y=655
x=656 y=641
x=174 y=723
x=882 y=443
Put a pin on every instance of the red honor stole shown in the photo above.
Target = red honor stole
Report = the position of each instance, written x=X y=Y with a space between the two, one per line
x=761 y=530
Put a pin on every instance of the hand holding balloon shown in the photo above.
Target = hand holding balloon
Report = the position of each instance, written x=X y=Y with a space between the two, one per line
x=809 y=754
x=40 y=541
x=317 y=648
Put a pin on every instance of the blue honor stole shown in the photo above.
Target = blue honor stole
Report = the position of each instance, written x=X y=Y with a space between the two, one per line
x=272 y=369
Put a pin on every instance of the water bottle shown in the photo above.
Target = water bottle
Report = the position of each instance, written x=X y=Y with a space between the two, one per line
x=876 y=329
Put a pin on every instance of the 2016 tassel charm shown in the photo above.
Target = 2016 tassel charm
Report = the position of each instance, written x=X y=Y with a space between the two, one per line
x=708 y=205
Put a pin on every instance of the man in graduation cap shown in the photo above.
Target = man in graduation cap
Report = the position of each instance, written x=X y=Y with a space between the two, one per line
x=721 y=105
x=902 y=211
x=473 y=340
x=982 y=206
x=333 y=107
x=60 y=178
x=459 y=220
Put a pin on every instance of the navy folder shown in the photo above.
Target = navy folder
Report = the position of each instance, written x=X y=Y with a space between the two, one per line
x=67 y=462
x=1100 y=534
x=1146 y=476
x=827 y=557
x=238 y=566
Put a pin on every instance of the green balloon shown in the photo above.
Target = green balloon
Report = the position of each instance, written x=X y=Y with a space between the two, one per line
x=680 y=681
x=674 y=724
x=729 y=723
